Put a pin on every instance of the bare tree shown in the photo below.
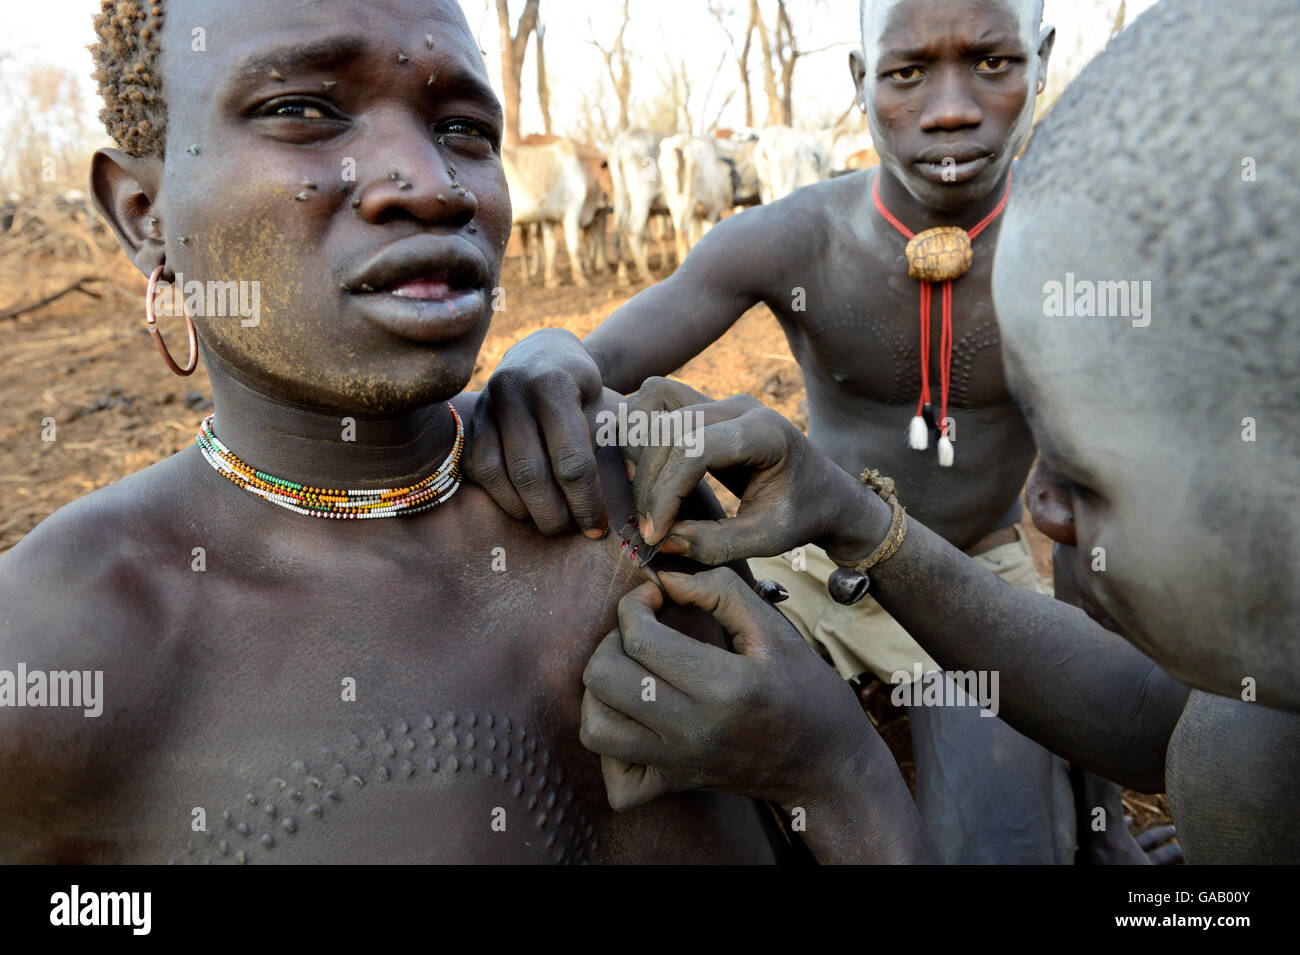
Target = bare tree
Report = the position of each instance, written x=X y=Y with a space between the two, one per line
x=741 y=54
x=780 y=54
x=769 y=73
x=513 y=49
x=617 y=65
x=543 y=87
x=786 y=54
x=666 y=110
x=677 y=91
x=592 y=124
x=712 y=126
x=47 y=141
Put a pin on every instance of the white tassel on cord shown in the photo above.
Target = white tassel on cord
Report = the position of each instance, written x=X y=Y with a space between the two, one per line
x=945 y=451
x=918 y=434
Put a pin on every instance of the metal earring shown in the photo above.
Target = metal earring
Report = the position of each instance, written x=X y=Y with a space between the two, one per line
x=151 y=322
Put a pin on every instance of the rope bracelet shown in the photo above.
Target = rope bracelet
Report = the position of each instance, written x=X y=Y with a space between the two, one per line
x=884 y=488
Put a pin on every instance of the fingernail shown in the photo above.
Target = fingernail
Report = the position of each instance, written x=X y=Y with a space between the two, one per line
x=675 y=545
x=595 y=533
x=647 y=527
x=630 y=467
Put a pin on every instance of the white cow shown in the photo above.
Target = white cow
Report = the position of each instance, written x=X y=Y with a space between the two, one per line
x=548 y=186
x=638 y=194
x=697 y=186
x=594 y=211
x=787 y=159
x=846 y=145
x=738 y=149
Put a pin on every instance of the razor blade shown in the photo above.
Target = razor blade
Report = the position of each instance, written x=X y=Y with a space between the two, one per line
x=634 y=545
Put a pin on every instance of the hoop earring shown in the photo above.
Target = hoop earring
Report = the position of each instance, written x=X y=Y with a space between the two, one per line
x=151 y=322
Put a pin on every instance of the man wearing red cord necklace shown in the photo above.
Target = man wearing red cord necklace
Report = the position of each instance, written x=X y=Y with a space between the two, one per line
x=903 y=375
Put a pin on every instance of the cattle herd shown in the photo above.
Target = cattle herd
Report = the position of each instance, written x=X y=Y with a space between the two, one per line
x=661 y=187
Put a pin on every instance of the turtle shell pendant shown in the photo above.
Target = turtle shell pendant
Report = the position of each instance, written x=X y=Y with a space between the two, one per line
x=939 y=255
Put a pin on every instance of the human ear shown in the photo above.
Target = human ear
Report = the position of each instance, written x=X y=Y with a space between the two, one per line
x=125 y=189
x=858 y=69
x=1046 y=41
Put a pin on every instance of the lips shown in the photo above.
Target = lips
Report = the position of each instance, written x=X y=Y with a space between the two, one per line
x=424 y=288
x=436 y=264
x=954 y=163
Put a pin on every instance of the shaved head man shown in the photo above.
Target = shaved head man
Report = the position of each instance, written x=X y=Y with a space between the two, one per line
x=1201 y=376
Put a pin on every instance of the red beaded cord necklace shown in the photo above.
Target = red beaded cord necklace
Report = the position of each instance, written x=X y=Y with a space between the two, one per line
x=937 y=255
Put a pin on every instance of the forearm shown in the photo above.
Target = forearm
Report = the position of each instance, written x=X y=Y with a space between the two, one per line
x=863 y=813
x=1064 y=680
x=656 y=332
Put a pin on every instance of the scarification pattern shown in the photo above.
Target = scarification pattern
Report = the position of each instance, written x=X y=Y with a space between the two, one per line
x=320 y=788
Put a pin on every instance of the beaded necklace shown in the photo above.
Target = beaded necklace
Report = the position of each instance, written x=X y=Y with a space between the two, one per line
x=332 y=502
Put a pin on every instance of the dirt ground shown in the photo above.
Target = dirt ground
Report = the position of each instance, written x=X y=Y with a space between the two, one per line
x=90 y=366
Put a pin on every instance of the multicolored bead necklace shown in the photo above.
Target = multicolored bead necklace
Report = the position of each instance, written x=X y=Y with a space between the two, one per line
x=330 y=502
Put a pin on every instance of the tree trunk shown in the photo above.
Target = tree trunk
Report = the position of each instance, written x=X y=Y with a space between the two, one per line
x=769 y=73
x=623 y=86
x=617 y=66
x=543 y=88
x=787 y=54
x=744 y=73
x=513 y=49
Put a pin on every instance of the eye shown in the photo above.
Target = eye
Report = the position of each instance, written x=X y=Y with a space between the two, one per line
x=993 y=64
x=906 y=74
x=469 y=133
x=464 y=126
x=295 y=109
x=300 y=110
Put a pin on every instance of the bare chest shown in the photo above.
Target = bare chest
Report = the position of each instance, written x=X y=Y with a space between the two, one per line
x=424 y=721
x=859 y=328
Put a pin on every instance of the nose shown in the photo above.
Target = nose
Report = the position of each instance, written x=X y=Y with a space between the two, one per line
x=410 y=177
x=951 y=105
x=1051 y=505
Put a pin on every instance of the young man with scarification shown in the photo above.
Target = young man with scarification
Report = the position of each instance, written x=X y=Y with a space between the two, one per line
x=880 y=281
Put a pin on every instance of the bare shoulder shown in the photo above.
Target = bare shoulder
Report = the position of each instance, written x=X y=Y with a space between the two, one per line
x=763 y=242
x=101 y=548
x=80 y=623
x=770 y=240
x=1224 y=764
x=811 y=211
